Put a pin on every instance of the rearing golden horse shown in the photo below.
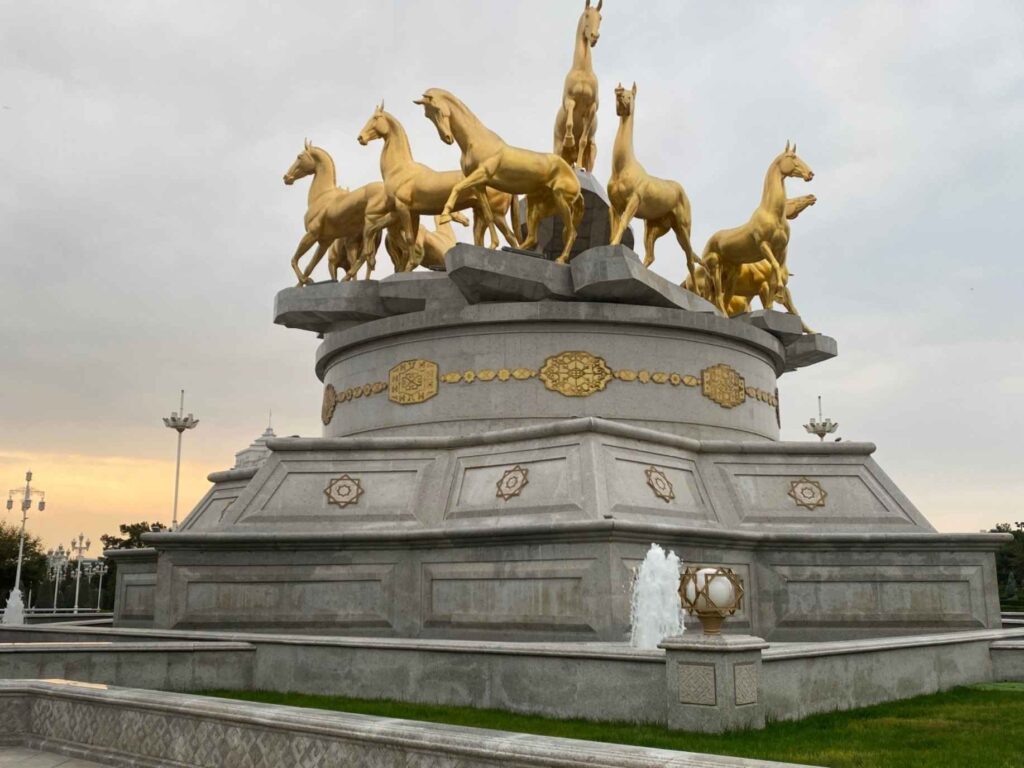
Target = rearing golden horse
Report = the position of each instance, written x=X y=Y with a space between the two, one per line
x=545 y=179
x=576 y=123
x=764 y=236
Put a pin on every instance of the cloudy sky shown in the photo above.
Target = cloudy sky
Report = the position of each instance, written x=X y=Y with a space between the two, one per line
x=144 y=227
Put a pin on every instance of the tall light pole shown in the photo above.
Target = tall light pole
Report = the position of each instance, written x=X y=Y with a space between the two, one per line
x=822 y=426
x=99 y=568
x=179 y=422
x=56 y=561
x=14 y=612
x=79 y=549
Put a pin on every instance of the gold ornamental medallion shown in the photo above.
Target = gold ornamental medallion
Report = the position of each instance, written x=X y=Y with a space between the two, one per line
x=411 y=382
x=723 y=384
x=575 y=374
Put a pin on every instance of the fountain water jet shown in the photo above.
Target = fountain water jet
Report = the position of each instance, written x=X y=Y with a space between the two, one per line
x=14 y=612
x=655 y=609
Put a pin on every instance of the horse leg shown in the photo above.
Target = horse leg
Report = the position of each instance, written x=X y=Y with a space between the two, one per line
x=786 y=300
x=308 y=241
x=506 y=231
x=713 y=266
x=570 y=213
x=776 y=279
x=534 y=213
x=372 y=224
x=586 y=139
x=479 y=227
x=652 y=232
x=477 y=178
x=485 y=207
x=625 y=217
x=321 y=249
x=409 y=225
x=334 y=257
x=680 y=225
x=591 y=157
x=568 y=140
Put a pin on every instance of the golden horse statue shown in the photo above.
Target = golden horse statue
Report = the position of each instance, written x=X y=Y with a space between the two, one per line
x=433 y=244
x=333 y=213
x=662 y=204
x=764 y=236
x=413 y=189
x=753 y=280
x=576 y=123
x=487 y=161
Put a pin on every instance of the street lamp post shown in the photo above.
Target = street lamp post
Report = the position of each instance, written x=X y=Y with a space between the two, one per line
x=179 y=422
x=99 y=568
x=56 y=561
x=79 y=549
x=14 y=612
x=822 y=426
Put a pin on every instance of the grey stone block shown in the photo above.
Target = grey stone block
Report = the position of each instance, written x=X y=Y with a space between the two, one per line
x=809 y=349
x=483 y=274
x=594 y=230
x=614 y=273
x=785 y=327
x=714 y=682
x=407 y=292
x=319 y=306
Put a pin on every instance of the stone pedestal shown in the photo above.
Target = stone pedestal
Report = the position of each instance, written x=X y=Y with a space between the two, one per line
x=594 y=230
x=713 y=682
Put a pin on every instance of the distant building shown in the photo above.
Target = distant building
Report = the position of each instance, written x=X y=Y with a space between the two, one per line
x=256 y=453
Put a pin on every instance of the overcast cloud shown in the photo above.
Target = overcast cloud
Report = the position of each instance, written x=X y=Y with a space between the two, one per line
x=145 y=228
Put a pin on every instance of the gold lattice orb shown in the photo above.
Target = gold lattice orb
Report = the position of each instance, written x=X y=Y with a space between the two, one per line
x=712 y=594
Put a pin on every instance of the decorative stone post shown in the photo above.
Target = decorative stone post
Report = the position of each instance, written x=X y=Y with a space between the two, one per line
x=713 y=682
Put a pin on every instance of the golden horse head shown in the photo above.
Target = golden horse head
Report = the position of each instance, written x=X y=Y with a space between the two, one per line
x=624 y=100
x=591 y=23
x=376 y=127
x=438 y=110
x=304 y=165
x=790 y=165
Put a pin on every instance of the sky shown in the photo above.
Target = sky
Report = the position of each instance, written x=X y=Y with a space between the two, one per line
x=145 y=228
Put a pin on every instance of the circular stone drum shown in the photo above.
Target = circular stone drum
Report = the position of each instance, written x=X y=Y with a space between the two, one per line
x=470 y=369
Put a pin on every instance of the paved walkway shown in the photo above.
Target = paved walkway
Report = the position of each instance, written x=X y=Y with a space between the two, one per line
x=16 y=757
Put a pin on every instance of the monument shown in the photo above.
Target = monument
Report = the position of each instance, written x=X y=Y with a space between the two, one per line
x=505 y=436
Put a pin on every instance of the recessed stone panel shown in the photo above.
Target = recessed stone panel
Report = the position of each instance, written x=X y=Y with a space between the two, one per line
x=138 y=592
x=548 y=481
x=745 y=681
x=889 y=595
x=340 y=596
x=519 y=595
x=648 y=482
x=697 y=684
x=846 y=494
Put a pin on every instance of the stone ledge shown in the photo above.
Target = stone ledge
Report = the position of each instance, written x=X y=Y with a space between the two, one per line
x=613 y=273
x=785 y=651
x=482 y=274
x=353 y=738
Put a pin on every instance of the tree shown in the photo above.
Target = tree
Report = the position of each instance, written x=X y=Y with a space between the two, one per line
x=33 y=569
x=1010 y=559
x=131 y=535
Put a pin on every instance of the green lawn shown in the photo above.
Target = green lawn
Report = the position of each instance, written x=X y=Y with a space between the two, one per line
x=980 y=726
